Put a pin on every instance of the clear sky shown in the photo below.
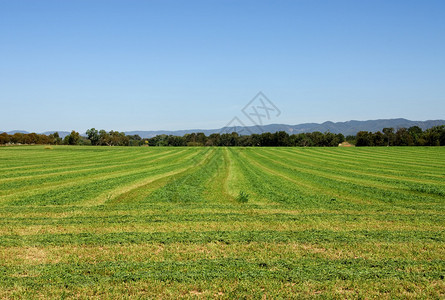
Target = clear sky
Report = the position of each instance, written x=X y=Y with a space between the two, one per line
x=149 y=65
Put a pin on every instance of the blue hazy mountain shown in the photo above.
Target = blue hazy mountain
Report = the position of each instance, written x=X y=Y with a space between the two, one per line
x=346 y=128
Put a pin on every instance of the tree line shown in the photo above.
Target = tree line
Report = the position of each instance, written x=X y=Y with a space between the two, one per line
x=114 y=138
x=413 y=136
x=94 y=137
x=266 y=139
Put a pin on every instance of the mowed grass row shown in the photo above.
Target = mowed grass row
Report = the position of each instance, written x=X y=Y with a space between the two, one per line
x=166 y=222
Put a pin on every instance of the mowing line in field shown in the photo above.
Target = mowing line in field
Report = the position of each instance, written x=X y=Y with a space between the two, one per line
x=426 y=192
x=77 y=167
x=62 y=156
x=50 y=187
x=357 y=163
x=114 y=196
x=334 y=165
x=304 y=186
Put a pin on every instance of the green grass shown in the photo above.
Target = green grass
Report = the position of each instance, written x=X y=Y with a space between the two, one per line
x=102 y=222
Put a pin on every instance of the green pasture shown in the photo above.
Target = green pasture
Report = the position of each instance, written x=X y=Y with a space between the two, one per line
x=164 y=222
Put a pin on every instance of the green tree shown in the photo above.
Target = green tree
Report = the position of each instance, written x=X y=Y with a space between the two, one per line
x=4 y=138
x=378 y=139
x=435 y=136
x=416 y=134
x=364 y=138
x=389 y=135
x=55 y=138
x=281 y=139
x=403 y=138
x=93 y=136
x=17 y=138
x=104 y=138
x=201 y=138
x=340 y=139
x=72 y=139
x=214 y=140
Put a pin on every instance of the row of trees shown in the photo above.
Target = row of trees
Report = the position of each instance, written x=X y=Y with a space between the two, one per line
x=280 y=139
x=29 y=138
x=413 y=136
x=112 y=138
x=94 y=137
x=115 y=138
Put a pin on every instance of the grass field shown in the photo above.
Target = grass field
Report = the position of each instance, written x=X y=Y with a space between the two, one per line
x=222 y=222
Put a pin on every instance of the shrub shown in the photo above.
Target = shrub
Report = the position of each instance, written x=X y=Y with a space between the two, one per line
x=242 y=197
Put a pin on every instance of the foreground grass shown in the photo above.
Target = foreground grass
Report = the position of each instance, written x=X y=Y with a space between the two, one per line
x=86 y=222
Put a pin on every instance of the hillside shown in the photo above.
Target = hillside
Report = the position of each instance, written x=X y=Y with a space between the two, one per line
x=346 y=128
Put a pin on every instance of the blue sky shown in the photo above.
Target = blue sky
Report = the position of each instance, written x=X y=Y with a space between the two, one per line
x=149 y=65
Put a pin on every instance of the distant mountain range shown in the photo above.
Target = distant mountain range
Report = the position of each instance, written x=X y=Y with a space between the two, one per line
x=62 y=134
x=346 y=128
